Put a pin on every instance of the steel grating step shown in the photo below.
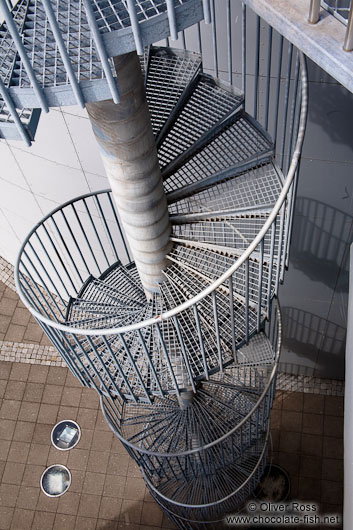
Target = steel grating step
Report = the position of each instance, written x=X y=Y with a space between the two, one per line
x=230 y=397
x=232 y=233
x=107 y=28
x=255 y=188
x=9 y=130
x=169 y=74
x=209 y=104
x=212 y=265
x=241 y=143
x=189 y=285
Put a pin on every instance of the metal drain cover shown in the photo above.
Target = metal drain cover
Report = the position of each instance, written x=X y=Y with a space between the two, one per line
x=55 y=480
x=65 y=435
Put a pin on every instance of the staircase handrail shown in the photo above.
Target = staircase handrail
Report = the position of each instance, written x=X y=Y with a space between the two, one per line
x=217 y=283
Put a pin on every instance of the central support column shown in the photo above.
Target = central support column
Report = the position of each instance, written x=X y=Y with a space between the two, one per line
x=125 y=138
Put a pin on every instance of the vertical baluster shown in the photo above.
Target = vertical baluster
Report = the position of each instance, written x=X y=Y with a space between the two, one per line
x=280 y=247
x=172 y=19
x=247 y=300
x=17 y=38
x=133 y=364
x=44 y=269
x=261 y=265
x=63 y=52
x=166 y=355
x=270 y=267
x=218 y=337
x=243 y=48
x=106 y=226
x=50 y=309
x=74 y=239
x=98 y=41
x=183 y=350
x=118 y=367
x=286 y=103
x=257 y=67
x=149 y=360
x=199 y=40
x=232 y=320
x=98 y=356
x=206 y=11
x=199 y=333
x=214 y=37
x=96 y=232
x=278 y=88
x=68 y=253
x=268 y=75
x=118 y=225
x=229 y=42
x=86 y=238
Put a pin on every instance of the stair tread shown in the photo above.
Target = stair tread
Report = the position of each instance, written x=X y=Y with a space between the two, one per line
x=241 y=139
x=259 y=187
x=209 y=104
x=190 y=285
x=229 y=403
x=235 y=233
x=213 y=265
x=169 y=73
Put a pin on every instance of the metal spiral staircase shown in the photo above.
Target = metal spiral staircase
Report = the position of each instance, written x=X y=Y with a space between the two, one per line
x=187 y=377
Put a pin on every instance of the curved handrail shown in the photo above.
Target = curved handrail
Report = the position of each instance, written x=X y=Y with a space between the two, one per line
x=219 y=501
x=227 y=434
x=212 y=287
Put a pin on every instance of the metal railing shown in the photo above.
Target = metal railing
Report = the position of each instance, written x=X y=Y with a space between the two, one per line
x=237 y=453
x=53 y=266
x=98 y=18
x=343 y=11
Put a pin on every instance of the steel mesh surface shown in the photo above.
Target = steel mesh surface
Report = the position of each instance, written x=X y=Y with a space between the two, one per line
x=257 y=187
x=239 y=141
x=227 y=396
x=168 y=75
x=208 y=104
x=112 y=15
x=235 y=233
x=42 y=49
x=213 y=265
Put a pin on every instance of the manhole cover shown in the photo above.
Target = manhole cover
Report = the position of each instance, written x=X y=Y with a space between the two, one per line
x=274 y=485
x=55 y=480
x=65 y=435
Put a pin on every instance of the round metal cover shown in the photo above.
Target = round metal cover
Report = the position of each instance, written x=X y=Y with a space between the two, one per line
x=55 y=480
x=65 y=435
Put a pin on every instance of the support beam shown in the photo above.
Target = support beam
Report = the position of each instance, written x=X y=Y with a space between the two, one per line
x=127 y=145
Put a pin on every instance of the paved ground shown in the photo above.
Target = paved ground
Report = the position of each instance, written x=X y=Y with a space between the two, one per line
x=16 y=322
x=107 y=490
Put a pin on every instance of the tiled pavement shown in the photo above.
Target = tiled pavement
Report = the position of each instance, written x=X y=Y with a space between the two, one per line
x=16 y=322
x=107 y=491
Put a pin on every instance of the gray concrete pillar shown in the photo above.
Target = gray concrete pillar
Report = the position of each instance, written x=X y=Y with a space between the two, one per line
x=125 y=138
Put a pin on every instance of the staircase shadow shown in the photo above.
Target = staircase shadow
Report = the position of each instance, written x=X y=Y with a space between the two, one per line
x=314 y=338
x=336 y=118
x=319 y=246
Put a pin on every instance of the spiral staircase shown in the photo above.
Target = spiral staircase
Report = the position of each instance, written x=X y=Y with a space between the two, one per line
x=186 y=378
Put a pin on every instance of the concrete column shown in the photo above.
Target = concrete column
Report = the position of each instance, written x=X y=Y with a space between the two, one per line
x=125 y=138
